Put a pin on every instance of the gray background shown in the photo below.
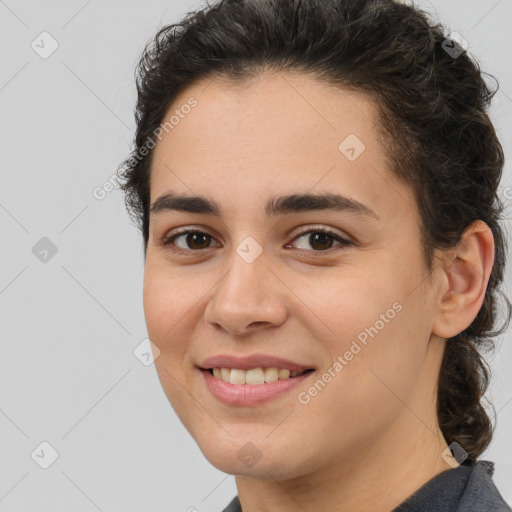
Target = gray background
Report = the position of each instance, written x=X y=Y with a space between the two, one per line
x=69 y=324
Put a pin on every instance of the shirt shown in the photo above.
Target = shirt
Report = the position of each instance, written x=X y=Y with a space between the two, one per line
x=465 y=488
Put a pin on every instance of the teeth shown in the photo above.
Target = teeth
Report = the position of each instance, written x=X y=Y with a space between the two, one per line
x=237 y=376
x=271 y=374
x=284 y=374
x=255 y=376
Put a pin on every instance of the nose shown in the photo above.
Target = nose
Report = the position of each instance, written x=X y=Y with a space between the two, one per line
x=249 y=297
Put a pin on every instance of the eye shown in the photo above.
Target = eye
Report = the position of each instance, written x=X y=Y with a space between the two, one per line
x=194 y=237
x=321 y=239
x=194 y=240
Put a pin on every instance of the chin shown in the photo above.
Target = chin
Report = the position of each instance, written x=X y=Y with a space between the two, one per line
x=258 y=458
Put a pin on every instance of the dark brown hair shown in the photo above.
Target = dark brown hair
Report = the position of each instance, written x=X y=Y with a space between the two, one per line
x=433 y=115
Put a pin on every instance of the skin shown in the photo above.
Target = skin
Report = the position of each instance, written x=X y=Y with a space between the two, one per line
x=370 y=437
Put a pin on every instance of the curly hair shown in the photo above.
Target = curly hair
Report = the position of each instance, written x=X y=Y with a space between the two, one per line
x=432 y=106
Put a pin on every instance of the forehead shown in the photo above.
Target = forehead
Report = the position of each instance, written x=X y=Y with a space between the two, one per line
x=285 y=133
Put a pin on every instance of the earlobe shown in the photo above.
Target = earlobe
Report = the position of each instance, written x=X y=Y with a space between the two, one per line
x=466 y=273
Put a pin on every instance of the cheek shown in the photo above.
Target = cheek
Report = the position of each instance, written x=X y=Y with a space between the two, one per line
x=168 y=307
x=344 y=303
x=372 y=379
x=168 y=313
x=377 y=331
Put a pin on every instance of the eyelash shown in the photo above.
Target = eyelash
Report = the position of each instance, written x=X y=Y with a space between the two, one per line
x=168 y=240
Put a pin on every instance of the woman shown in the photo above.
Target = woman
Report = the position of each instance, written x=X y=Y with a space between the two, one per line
x=316 y=182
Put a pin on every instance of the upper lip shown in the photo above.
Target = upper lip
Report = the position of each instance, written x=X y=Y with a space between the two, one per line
x=250 y=362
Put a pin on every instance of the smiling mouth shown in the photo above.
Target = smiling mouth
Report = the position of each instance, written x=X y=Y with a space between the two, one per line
x=255 y=376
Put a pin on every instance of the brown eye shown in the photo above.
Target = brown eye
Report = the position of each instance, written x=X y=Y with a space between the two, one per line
x=321 y=239
x=318 y=240
x=192 y=239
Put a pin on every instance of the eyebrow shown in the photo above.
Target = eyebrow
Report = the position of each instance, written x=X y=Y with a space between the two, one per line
x=294 y=203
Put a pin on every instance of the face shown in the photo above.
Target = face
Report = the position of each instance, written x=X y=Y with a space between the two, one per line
x=284 y=284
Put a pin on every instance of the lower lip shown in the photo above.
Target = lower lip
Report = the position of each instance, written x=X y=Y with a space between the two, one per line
x=246 y=394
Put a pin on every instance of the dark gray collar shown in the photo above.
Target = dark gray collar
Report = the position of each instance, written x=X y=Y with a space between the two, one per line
x=466 y=488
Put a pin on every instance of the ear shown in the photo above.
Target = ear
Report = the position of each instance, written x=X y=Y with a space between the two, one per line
x=465 y=274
